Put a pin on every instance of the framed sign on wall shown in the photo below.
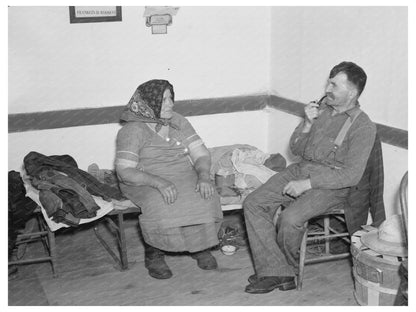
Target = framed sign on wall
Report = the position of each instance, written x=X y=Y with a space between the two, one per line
x=94 y=14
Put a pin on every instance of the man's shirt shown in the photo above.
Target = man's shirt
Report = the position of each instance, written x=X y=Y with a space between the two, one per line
x=335 y=168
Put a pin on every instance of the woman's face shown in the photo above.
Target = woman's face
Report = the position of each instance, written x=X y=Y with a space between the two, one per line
x=167 y=105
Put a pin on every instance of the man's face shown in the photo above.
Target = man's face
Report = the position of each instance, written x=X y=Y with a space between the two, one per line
x=339 y=91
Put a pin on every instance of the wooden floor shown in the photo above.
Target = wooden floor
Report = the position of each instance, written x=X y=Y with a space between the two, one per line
x=88 y=276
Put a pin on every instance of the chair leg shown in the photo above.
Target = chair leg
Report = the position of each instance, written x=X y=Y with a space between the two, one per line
x=302 y=256
x=326 y=231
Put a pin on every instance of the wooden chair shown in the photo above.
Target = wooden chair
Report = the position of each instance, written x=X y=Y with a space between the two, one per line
x=403 y=202
x=42 y=233
x=327 y=234
x=402 y=297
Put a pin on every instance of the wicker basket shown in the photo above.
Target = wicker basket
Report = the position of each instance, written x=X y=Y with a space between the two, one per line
x=376 y=276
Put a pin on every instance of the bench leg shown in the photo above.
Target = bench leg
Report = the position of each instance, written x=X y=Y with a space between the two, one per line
x=122 y=242
x=121 y=260
x=52 y=251
x=50 y=244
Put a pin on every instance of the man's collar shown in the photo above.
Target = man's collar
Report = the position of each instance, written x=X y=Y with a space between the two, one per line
x=352 y=112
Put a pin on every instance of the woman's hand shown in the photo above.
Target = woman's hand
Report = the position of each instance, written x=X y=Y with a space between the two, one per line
x=205 y=188
x=168 y=190
x=202 y=164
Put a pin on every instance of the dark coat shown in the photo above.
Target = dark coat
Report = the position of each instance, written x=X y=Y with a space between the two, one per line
x=367 y=195
x=35 y=163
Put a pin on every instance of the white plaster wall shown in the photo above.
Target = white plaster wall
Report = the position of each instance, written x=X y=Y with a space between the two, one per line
x=96 y=144
x=306 y=42
x=395 y=159
x=234 y=128
x=281 y=126
x=87 y=145
x=208 y=52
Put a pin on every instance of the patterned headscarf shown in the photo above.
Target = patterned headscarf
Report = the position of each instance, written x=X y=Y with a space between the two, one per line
x=146 y=103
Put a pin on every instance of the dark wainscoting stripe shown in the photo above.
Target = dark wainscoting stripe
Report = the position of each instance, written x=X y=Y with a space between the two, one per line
x=221 y=105
x=390 y=135
x=63 y=118
x=106 y=115
x=111 y=114
x=286 y=105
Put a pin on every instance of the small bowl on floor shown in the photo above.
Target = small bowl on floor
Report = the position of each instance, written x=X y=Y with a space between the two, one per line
x=228 y=250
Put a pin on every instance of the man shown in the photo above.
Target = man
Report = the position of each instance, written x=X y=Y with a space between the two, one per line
x=315 y=185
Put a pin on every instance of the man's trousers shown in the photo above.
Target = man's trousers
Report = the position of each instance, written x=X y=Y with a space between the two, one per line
x=277 y=253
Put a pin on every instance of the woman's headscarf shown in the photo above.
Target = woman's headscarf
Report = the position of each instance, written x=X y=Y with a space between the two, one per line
x=146 y=103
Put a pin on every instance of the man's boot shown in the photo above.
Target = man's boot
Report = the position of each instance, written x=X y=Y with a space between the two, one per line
x=154 y=261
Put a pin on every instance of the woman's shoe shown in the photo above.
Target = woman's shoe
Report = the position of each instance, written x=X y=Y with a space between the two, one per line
x=154 y=261
x=205 y=260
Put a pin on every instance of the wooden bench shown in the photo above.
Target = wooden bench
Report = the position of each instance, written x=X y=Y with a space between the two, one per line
x=118 y=229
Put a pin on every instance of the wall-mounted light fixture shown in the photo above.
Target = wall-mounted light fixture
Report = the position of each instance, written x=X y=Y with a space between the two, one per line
x=159 y=23
x=159 y=18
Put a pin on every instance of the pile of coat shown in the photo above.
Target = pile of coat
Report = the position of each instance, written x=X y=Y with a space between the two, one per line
x=65 y=191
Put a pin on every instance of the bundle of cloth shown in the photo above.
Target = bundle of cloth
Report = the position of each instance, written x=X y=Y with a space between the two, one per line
x=240 y=168
x=65 y=191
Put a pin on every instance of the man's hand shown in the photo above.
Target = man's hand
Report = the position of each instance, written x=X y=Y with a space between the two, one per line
x=205 y=188
x=296 y=188
x=168 y=190
x=311 y=113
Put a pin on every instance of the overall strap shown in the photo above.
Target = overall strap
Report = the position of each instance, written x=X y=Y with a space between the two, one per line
x=343 y=132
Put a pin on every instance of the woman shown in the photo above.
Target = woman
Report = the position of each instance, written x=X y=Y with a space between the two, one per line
x=163 y=167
